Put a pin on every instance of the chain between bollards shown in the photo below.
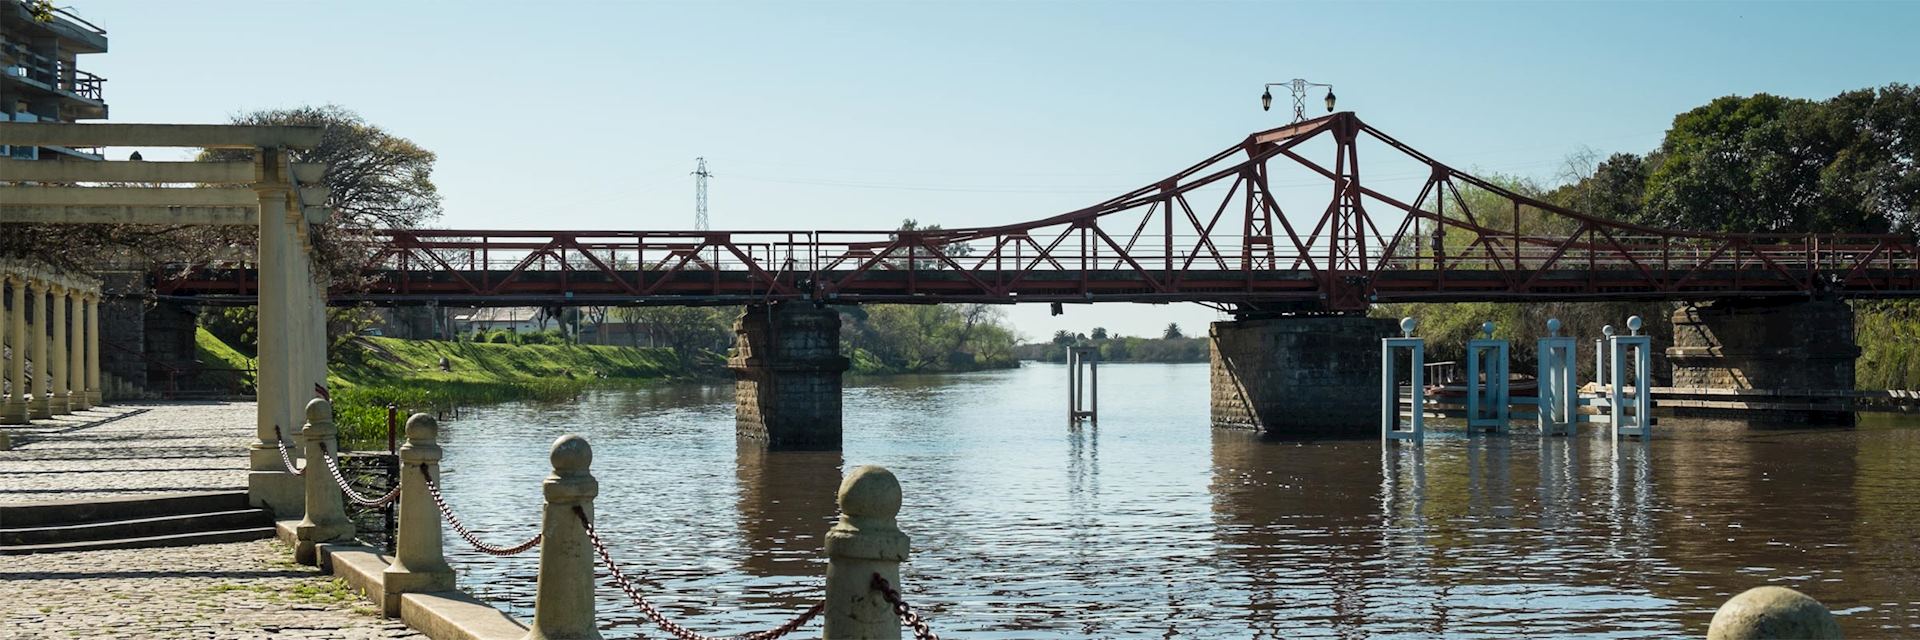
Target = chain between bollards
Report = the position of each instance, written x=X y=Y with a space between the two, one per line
x=659 y=619
x=286 y=459
x=446 y=512
x=346 y=488
x=920 y=629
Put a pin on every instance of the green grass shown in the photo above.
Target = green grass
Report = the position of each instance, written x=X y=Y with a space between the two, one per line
x=1889 y=337
x=407 y=373
x=215 y=354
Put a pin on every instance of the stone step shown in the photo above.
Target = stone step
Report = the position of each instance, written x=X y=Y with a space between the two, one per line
x=174 y=540
x=137 y=527
x=70 y=513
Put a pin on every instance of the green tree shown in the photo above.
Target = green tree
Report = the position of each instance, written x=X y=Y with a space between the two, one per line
x=1099 y=333
x=1172 y=332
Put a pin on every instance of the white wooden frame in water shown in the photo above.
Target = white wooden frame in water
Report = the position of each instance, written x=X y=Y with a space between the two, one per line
x=1631 y=413
x=1558 y=395
x=1391 y=427
x=1488 y=401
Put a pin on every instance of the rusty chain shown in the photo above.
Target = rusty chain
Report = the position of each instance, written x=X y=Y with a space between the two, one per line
x=660 y=619
x=347 y=490
x=281 y=441
x=900 y=608
x=446 y=512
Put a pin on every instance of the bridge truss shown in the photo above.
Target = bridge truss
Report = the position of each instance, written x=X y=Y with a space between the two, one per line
x=1218 y=232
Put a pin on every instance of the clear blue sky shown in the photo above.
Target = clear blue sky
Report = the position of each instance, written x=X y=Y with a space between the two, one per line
x=836 y=115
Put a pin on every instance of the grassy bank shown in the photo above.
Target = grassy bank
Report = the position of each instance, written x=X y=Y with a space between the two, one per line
x=376 y=371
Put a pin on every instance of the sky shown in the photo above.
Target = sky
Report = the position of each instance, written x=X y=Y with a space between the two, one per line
x=817 y=115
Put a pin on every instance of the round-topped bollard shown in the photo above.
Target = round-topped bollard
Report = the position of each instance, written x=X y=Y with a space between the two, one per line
x=1767 y=613
x=325 y=520
x=1553 y=327
x=1633 y=324
x=1407 y=326
x=1487 y=328
x=571 y=453
x=420 y=562
x=866 y=542
x=563 y=605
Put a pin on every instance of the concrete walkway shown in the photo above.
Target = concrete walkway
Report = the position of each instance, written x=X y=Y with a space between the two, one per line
x=234 y=590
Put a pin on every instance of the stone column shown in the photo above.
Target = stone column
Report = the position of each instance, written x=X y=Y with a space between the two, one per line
x=1772 y=345
x=37 y=405
x=77 y=353
x=563 y=597
x=326 y=514
x=57 y=363
x=268 y=484
x=1298 y=375
x=93 y=351
x=866 y=542
x=14 y=411
x=787 y=368
x=419 y=562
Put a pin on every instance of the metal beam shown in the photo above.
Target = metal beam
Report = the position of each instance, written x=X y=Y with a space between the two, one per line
x=247 y=216
x=119 y=171
x=211 y=136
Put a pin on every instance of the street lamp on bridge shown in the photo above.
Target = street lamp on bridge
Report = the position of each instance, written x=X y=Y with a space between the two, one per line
x=1299 y=88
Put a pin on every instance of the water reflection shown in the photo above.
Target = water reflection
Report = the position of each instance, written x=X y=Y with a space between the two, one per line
x=1152 y=524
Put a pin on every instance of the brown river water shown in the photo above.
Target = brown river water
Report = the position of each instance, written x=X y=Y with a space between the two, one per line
x=1153 y=524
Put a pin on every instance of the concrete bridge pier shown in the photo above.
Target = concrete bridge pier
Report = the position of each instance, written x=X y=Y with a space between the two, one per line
x=1298 y=375
x=1782 y=345
x=787 y=368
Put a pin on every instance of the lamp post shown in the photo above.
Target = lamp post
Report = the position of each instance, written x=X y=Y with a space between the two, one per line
x=1299 y=88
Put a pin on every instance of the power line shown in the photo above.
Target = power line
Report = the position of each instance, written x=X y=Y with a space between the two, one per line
x=700 y=193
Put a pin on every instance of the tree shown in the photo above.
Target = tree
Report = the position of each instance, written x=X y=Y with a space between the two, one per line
x=1099 y=333
x=1173 y=331
x=689 y=331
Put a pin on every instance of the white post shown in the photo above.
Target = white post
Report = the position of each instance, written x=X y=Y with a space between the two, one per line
x=37 y=405
x=268 y=484
x=15 y=409
x=1416 y=348
x=1632 y=415
x=93 y=350
x=563 y=596
x=62 y=401
x=326 y=515
x=77 y=354
x=1558 y=398
x=866 y=542
x=1487 y=401
x=419 y=561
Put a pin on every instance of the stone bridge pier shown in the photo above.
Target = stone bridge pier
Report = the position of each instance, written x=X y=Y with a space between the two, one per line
x=1298 y=375
x=787 y=367
x=1774 y=345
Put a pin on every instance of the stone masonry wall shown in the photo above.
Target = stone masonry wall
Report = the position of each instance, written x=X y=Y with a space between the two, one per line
x=787 y=367
x=1764 y=345
x=1298 y=376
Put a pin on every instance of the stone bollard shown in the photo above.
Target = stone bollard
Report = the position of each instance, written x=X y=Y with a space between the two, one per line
x=419 y=562
x=866 y=541
x=1765 y=613
x=563 y=597
x=326 y=517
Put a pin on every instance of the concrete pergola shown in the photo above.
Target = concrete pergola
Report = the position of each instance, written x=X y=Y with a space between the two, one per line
x=279 y=197
x=61 y=337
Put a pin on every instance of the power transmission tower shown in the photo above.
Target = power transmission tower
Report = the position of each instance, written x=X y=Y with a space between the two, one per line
x=700 y=174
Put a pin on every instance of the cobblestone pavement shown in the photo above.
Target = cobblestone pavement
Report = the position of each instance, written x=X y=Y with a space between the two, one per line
x=129 y=450
x=234 y=590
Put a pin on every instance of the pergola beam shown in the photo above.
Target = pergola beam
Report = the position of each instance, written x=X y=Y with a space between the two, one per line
x=247 y=216
x=206 y=136
x=120 y=171
x=31 y=196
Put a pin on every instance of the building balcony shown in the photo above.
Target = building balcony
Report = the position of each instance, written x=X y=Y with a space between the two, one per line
x=37 y=73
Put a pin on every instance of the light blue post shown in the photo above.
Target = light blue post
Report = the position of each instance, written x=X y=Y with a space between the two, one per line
x=1559 y=398
x=1487 y=401
x=1600 y=355
x=1632 y=414
x=1391 y=428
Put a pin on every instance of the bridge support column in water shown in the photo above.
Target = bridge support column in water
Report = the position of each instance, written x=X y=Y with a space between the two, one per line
x=1790 y=345
x=786 y=368
x=1298 y=375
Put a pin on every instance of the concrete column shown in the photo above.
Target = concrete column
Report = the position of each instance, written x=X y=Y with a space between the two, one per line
x=326 y=514
x=58 y=362
x=563 y=597
x=1298 y=375
x=37 y=406
x=14 y=411
x=1770 y=345
x=77 y=353
x=866 y=542
x=268 y=483
x=419 y=561
x=93 y=351
x=787 y=368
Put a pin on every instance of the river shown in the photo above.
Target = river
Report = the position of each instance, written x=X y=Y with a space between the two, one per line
x=1154 y=524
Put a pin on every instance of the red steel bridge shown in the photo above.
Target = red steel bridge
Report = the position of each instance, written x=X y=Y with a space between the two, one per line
x=1228 y=231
